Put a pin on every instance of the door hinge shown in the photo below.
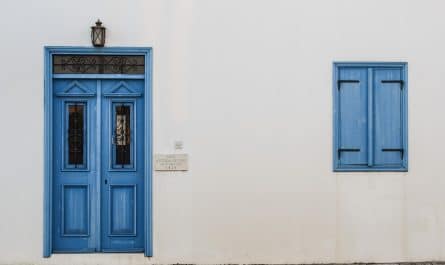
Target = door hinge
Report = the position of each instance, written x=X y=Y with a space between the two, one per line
x=339 y=82
x=394 y=81
x=401 y=150
x=347 y=150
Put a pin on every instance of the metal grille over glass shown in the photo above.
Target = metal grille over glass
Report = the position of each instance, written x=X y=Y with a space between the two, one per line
x=76 y=135
x=122 y=135
x=98 y=64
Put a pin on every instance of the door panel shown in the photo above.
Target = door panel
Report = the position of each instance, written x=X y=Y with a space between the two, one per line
x=122 y=165
x=75 y=210
x=122 y=206
x=74 y=165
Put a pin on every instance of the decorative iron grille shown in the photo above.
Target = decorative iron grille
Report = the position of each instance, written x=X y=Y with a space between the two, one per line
x=75 y=134
x=123 y=135
x=98 y=64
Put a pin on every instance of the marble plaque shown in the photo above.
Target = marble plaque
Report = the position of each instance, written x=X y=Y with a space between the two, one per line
x=171 y=162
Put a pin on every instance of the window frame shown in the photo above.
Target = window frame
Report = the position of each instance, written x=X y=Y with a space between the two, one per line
x=337 y=167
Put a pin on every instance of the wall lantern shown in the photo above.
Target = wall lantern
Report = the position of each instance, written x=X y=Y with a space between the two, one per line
x=98 y=34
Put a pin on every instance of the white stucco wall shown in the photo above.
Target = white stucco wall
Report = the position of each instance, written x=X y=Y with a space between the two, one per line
x=246 y=85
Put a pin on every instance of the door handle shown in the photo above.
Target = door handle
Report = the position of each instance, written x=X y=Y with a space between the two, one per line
x=106 y=181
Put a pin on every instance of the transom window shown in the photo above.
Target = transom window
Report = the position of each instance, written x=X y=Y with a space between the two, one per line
x=98 y=64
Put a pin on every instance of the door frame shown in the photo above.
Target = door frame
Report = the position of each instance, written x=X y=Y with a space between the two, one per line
x=48 y=135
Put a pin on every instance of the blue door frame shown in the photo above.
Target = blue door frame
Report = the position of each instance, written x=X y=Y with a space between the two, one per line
x=49 y=137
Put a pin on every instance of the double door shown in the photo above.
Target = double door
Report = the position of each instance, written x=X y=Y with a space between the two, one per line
x=98 y=167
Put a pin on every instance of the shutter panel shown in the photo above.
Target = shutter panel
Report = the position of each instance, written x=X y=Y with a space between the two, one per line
x=388 y=144
x=352 y=116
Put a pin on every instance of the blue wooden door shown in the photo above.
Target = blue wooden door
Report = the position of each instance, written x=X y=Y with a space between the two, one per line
x=98 y=198
x=75 y=165
x=122 y=141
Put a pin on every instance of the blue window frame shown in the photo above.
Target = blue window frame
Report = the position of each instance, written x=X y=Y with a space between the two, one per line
x=370 y=117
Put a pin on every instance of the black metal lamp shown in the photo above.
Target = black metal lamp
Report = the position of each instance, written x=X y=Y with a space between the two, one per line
x=98 y=34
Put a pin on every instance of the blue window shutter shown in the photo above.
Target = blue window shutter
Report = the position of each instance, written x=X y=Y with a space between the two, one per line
x=352 y=85
x=388 y=117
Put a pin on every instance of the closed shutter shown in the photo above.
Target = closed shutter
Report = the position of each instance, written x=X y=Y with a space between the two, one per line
x=388 y=119
x=352 y=116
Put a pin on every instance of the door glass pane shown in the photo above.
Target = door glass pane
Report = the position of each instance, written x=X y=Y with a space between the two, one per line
x=123 y=138
x=76 y=135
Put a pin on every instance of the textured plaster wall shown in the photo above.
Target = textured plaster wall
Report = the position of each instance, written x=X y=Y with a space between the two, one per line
x=246 y=85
